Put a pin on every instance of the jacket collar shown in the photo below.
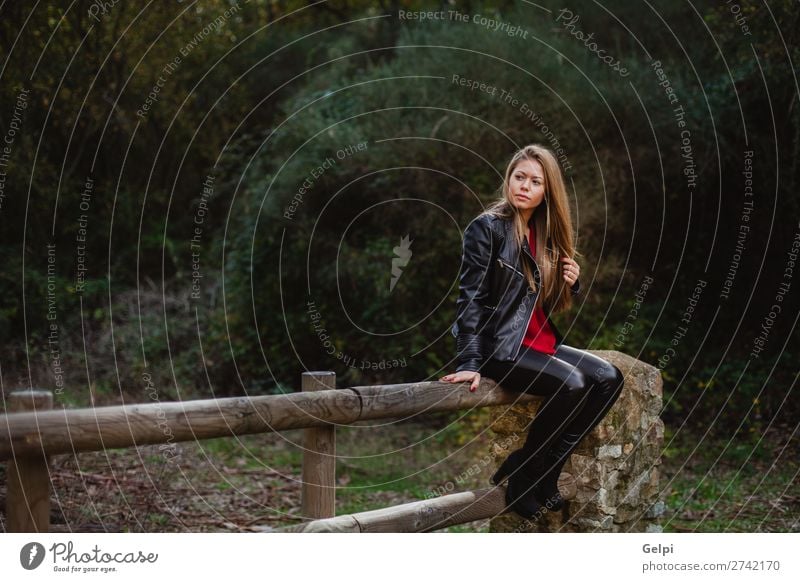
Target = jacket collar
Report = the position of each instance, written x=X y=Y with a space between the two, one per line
x=526 y=249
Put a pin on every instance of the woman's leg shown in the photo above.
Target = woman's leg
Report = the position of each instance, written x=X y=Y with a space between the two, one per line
x=606 y=385
x=566 y=389
x=564 y=385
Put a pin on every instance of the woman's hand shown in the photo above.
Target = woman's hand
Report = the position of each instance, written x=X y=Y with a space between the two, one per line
x=464 y=376
x=571 y=270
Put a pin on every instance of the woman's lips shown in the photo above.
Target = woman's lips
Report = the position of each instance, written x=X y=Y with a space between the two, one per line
x=523 y=197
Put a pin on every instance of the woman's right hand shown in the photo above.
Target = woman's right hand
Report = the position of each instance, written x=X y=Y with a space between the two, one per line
x=465 y=376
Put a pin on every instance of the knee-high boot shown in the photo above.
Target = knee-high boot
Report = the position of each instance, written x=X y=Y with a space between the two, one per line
x=547 y=492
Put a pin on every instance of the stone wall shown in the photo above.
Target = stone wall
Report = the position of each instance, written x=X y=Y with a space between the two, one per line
x=614 y=472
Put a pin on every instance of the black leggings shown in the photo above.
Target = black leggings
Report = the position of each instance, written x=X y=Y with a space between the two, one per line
x=579 y=387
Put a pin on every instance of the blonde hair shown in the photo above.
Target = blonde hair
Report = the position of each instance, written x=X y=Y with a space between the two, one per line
x=552 y=223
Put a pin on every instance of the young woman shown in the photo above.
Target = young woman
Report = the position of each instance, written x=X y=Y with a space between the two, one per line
x=517 y=269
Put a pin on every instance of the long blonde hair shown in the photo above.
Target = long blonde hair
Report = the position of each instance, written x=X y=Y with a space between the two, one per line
x=552 y=223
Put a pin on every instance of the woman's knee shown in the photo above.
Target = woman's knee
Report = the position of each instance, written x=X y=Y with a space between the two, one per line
x=618 y=378
x=576 y=384
x=613 y=379
x=599 y=370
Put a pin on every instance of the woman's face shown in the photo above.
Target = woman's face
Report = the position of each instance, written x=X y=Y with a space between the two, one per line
x=527 y=186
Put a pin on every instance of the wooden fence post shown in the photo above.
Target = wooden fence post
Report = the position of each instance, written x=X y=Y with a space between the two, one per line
x=28 y=496
x=318 y=494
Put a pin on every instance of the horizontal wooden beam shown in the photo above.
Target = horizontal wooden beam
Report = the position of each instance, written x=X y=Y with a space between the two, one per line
x=417 y=516
x=94 y=429
x=425 y=515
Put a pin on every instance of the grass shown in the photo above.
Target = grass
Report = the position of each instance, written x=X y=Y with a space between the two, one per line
x=402 y=463
x=743 y=484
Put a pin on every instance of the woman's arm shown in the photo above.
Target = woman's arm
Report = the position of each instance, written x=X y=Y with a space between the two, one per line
x=474 y=285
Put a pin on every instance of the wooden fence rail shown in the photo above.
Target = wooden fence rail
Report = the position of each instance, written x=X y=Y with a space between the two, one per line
x=27 y=439
x=417 y=516
x=108 y=427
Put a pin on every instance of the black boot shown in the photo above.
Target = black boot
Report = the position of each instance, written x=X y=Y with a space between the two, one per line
x=521 y=496
x=522 y=492
x=509 y=466
x=547 y=489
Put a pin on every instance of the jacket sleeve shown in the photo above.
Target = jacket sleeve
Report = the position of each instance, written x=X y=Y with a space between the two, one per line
x=576 y=287
x=474 y=285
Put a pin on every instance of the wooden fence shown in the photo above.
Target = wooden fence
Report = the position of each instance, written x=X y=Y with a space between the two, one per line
x=31 y=432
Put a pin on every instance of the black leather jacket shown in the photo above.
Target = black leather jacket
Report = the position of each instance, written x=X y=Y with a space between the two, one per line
x=495 y=302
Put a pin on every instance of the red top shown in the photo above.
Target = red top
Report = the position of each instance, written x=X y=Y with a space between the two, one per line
x=539 y=336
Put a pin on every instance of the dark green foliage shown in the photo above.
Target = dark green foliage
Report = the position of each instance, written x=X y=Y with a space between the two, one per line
x=261 y=109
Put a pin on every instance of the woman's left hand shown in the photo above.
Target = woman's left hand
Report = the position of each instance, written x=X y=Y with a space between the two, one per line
x=571 y=270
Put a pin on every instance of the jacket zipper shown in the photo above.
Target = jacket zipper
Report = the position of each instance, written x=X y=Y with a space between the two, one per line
x=503 y=264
